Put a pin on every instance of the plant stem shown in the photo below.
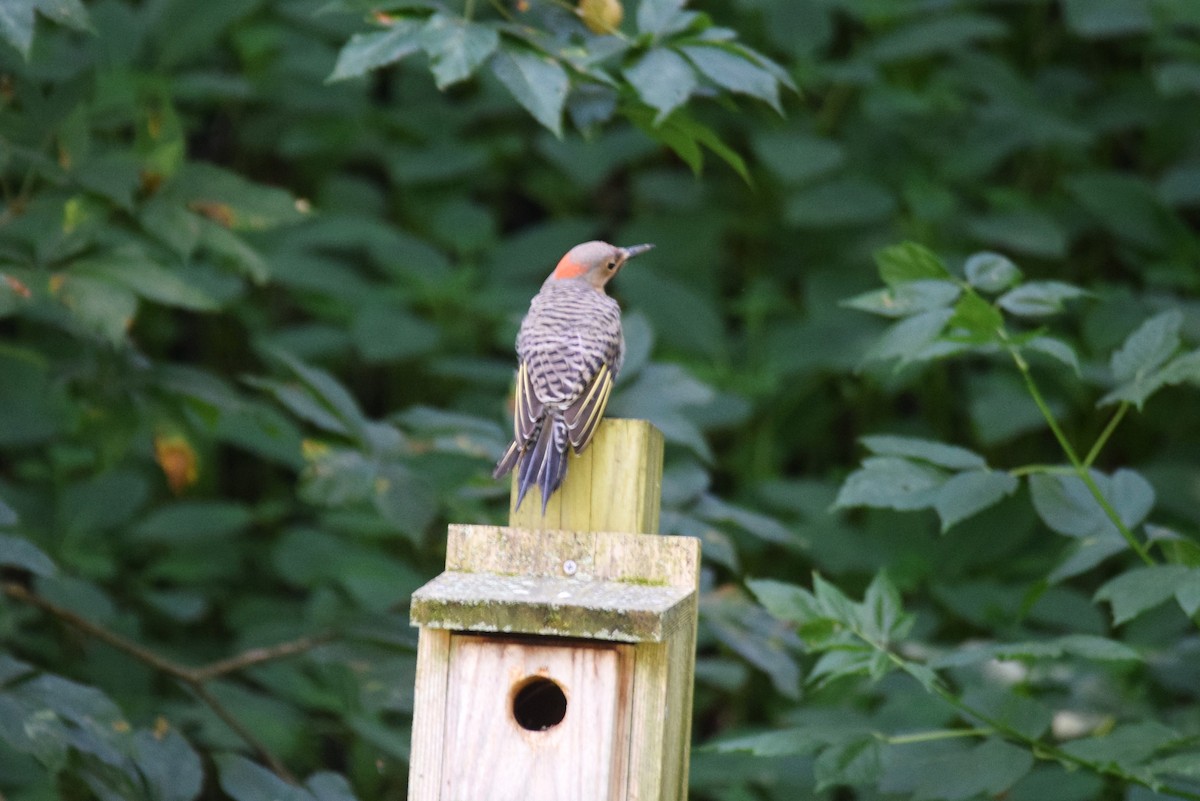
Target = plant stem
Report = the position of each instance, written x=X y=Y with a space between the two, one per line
x=1038 y=747
x=256 y=656
x=939 y=734
x=1041 y=469
x=194 y=678
x=1105 y=434
x=1081 y=468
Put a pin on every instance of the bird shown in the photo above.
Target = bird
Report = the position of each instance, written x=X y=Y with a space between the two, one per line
x=569 y=352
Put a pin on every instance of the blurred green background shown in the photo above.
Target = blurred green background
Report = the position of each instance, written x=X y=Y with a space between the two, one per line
x=256 y=334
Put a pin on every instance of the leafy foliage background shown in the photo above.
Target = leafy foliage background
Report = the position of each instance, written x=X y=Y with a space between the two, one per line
x=262 y=267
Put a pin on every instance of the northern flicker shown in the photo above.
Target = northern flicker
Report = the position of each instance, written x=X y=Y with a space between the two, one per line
x=569 y=349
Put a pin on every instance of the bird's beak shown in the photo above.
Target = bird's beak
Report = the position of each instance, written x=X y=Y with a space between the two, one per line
x=634 y=250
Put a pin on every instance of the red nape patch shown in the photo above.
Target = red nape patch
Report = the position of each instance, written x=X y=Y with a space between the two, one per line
x=567 y=268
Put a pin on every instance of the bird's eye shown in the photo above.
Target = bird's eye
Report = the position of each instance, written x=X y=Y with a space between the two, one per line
x=612 y=265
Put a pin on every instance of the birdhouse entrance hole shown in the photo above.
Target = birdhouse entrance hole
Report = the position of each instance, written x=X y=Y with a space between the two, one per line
x=538 y=703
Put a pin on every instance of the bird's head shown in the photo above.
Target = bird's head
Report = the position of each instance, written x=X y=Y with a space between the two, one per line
x=595 y=262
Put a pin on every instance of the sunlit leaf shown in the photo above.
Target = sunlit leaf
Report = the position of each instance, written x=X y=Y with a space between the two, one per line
x=367 y=51
x=21 y=553
x=1142 y=588
x=900 y=264
x=991 y=272
x=663 y=79
x=537 y=82
x=456 y=47
x=1039 y=298
x=968 y=493
x=903 y=300
x=735 y=72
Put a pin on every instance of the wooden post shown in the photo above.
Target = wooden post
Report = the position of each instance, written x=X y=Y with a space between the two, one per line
x=556 y=655
x=614 y=485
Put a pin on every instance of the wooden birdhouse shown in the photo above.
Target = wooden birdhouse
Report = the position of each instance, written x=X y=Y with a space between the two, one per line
x=555 y=663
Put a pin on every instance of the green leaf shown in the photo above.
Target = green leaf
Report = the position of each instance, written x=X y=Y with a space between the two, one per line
x=907 y=299
x=17 y=21
x=456 y=47
x=234 y=250
x=231 y=201
x=1097 y=19
x=969 y=493
x=193 y=521
x=1055 y=349
x=858 y=762
x=1177 y=78
x=1096 y=648
x=991 y=272
x=1084 y=646
x=795 y=157
x=384 y=333
x=883 y=619
x=1125 y=746
x=405 y=499
x=244 y=780
x=927 y=35
x=147 y=279
x=734 y=71
x=679 y=139
x=11 y=669
x=841 y=201
x=1184 y=368
x=1028 y=716
x=368 y=51
x=976 y=320
x=16 y=24
x=663 y=80
x=1126 y=206
x=8 y=515
x=1039 y=298
x=1148 y=347
x=786 y=601
x=300 y=402
x=749 y=631
x=906 y=339
x=99 y=305
x=172 y=224
x=987 y=770
x=328 y=391
x=708 y=137
x=888 y=482
x=1025 y=231
x=899 y=264
x=1135 y=365
x=937 y=453
x=1066 y=505
x=539 y=83
x=1186 y=765
x=1089 y=552
x=1181 y=369
x=168 y=764
x=660 y=17
x=714 y=510
x=835 y=603
x=1142 y=588
x=1187 y=593
x=788 y=742
x=329 y=786
x=23 y=554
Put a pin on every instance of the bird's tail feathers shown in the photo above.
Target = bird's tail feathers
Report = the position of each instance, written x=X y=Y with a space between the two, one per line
x=544 y=464
x=508 y=461
x=554 y=463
